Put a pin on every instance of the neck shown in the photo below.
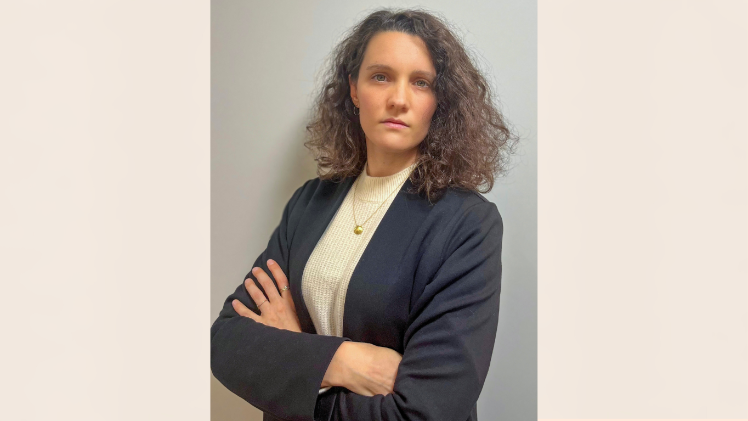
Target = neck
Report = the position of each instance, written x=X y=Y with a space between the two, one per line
x=383 y=166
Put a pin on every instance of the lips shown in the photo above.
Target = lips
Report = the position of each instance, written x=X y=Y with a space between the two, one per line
x=395 y=121
x=394 y=126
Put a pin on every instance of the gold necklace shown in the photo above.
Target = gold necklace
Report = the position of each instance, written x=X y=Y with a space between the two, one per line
x=359 y=228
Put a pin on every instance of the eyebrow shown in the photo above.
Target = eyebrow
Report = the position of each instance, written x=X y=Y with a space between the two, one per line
x=377 y=66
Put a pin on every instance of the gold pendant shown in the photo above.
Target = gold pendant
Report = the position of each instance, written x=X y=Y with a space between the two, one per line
x=358 y=230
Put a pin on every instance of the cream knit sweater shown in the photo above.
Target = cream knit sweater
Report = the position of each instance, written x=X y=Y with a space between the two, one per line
x=331 y=264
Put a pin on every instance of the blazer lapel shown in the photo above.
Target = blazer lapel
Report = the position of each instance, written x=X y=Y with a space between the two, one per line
x=315 y=219
x=376 y=299
x=378 y=295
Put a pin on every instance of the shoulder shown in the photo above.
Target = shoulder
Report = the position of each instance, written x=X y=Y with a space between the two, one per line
x=467 y=208
x=316 y=190
x=319 y=186
x=465 y=218
x=311 y=188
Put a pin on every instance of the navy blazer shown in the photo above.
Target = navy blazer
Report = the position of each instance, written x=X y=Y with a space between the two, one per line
x=427 y=286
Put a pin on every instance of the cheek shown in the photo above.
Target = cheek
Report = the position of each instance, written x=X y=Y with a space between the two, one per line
x=427 y=114
x=427 y=104
x=369 y=104
x=368 y=97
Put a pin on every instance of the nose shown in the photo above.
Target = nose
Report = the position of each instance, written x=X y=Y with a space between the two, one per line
x=398 y=99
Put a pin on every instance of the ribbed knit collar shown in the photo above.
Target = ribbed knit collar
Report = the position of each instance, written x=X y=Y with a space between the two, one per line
x=377 y=189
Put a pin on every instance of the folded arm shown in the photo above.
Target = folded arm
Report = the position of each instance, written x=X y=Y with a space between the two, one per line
x=450 y=338
x=275 y=370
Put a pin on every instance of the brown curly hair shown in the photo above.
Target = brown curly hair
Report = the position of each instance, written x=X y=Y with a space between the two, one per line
x=468 y=142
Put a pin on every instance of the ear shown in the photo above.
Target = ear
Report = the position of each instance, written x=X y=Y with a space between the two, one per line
x=354 y=95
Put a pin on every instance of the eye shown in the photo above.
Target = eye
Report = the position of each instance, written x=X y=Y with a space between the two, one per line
x=424 y=85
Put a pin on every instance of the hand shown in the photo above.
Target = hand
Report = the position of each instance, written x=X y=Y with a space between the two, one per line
x=366 y=369
x=277 y=310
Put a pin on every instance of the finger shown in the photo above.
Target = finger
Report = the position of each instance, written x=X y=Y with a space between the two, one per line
x=280 y=278
x=267 y=284
x=242 y=310
x=257 y=296
x=290 y=299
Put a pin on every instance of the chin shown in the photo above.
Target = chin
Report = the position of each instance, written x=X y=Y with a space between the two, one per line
x=393 y=145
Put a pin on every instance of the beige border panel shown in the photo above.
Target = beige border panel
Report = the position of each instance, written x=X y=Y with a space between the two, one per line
x=643 y=209
x=104 y=210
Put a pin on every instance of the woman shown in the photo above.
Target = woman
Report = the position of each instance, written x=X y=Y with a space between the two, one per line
x=377 y=297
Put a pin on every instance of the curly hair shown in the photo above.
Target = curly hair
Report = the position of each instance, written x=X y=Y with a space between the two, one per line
x=468 y=142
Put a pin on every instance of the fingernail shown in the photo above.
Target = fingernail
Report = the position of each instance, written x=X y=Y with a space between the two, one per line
x=271 y=262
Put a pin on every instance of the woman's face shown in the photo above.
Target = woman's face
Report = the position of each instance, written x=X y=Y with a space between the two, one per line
x=395 y=81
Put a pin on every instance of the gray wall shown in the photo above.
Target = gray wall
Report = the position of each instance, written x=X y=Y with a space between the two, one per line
x=264 y=60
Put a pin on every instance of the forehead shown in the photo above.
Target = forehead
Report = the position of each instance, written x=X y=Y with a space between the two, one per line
x=398 y=50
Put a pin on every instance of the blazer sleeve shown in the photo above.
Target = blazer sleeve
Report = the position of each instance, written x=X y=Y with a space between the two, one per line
x=450 y=338
x=275 y=370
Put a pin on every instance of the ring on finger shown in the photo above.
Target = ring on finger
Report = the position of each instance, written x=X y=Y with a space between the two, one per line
x=262 y=303
x=284 y=288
